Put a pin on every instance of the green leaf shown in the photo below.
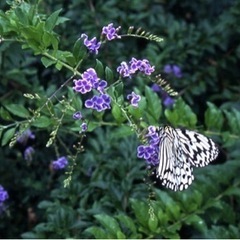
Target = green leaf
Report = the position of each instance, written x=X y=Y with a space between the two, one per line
x=128 y=223
x=29 y=235
x=79 y=50
x=181 y=115
x=99 y=68
x=52 y=20
x=45 y=204
x=109 y=223
x=7 y=135
x=153 y=107
x=46 y=39
x=4 y=114
x=213 y=117
x=47 y=62
x=18 y=110
x=153 y=223
x=97 y=232
x=42 y=122
x=109 y=75
x=233 y=118
x=123 y=131
x=197 y=222
x=22 y=16
x=117 y=114
x=141 y=211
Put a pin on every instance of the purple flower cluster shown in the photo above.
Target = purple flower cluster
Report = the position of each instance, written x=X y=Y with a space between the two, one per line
x=60 y=163
x=173 y=69
x=167 y=100
x=150 y=151
x=87 y=83
x=110 y=32
x=134 y=99
x=99 y=103
x=128 y=69
x=92 y=45
x=3 y=197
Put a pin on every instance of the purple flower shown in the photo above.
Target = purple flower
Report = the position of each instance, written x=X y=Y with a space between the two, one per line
x=134 y=98
x=3 y=194
x=142 y=66
x=87 y=83
x=101 y=85
x=3 y=197
x=92 y=44
x=110 y=32
x=99 y=103
x=77 y=115
x=167 y=69
x=155 y=88
x=168 y=101
x=173 y=69
x=126 y=70
x=28 y=153
x=177 y=71
x=60 y=163
x=25 y=136
x=150 y=151
x=84 y=127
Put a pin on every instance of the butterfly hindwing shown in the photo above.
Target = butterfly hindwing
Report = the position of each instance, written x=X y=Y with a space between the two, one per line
x=179 y=150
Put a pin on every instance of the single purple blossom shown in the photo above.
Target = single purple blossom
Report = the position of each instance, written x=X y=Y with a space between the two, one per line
x=3 y=194
x=92 y=44
x=167 y=69
x=25 y=136
x=28 y=153
x=134 y=98
x=177 y=71
x=77 y=115
x=168 y=101
x=148 y=153
x=110 y=32
x=84 y=127
x=124 y=69
x=60 y=163
x=155 y=88
x=99 y=103
x=100 y=86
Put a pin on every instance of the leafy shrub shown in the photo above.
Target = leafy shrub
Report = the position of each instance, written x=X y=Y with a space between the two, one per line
x=106 y=191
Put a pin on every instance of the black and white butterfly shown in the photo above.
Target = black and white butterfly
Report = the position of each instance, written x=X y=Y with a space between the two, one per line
x=179 y=151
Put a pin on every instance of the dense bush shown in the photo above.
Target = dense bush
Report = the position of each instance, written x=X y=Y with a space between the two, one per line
x=61 y=180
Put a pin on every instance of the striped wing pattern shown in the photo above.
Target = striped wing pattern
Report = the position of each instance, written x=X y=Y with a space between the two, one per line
x=179 y=151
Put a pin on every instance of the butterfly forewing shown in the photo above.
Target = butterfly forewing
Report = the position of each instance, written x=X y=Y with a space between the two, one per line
x=179 y=150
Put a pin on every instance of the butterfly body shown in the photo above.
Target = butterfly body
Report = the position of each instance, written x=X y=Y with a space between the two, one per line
x=179 y=151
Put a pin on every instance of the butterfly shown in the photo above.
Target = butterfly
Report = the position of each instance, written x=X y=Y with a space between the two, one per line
x=179 y=151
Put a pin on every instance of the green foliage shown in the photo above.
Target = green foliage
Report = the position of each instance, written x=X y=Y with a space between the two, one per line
x=41 y=53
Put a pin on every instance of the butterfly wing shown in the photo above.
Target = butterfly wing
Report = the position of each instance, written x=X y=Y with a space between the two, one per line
x=198 y=149
x=179 y=150
x=174 y=169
